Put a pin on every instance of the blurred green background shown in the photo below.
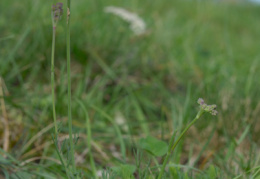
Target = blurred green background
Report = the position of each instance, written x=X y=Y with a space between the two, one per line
x=148 y=83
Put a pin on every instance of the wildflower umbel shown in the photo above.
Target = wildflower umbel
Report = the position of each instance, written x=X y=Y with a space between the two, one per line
x=207 y=108
x=56 y=12
x=137 y=24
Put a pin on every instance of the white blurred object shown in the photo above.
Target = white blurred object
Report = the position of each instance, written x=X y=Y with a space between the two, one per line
x=121 y=121
x=137 y=24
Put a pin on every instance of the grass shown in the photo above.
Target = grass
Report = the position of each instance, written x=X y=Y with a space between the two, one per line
x=132 y=86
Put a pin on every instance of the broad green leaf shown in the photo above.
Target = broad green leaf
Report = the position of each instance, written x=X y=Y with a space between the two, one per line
x=124 y=171
x=153 y=146
x=174 y=172
x=212 y=172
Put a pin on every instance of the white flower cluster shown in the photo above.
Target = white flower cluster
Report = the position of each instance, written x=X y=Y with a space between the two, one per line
x=137 y=24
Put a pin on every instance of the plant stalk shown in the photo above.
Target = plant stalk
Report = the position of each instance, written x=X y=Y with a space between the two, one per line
x=89 y=139
x=69 y=90
x=53 y=81
x=172 y=147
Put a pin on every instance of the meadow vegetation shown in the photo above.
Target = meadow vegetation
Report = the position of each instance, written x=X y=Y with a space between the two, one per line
x=132 y=95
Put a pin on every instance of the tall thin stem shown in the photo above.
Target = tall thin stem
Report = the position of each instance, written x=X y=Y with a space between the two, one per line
x=172 y=146
x=69 y=91
x=52 y=81
x=89 y=139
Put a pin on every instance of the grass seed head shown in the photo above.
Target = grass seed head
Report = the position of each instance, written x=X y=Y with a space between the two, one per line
x=208 y=108
x=57 y=12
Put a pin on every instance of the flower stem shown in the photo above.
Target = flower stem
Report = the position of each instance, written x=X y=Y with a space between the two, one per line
x=89 y=139
x=69 y=90
x=172 y=146
x=52 y=81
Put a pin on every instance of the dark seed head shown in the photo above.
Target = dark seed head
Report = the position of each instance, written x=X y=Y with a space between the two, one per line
x=57 y=11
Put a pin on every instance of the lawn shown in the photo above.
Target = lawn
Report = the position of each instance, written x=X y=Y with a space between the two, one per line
x=131 y=86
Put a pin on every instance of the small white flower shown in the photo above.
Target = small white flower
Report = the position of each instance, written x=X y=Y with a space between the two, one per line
x=137 y=24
